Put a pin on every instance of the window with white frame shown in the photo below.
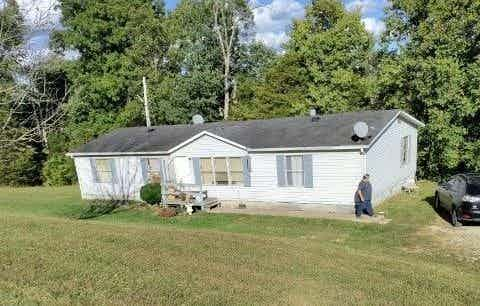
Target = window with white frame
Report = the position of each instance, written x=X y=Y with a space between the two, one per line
x=294 y=170
x=221 y=170
x=405 y=150
x=154 y=170
x=104 y=172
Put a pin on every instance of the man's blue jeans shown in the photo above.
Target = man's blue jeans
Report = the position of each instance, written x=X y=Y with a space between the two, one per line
x=365 y=206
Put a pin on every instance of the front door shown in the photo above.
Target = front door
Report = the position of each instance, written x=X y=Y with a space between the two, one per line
x=183 y=170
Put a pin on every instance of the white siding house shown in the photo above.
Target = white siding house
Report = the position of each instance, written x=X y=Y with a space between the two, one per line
x=292 y=160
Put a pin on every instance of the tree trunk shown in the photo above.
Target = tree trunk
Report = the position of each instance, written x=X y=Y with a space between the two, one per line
x=226 y=89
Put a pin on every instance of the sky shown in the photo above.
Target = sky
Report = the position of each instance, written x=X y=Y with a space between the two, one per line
x=272 y=19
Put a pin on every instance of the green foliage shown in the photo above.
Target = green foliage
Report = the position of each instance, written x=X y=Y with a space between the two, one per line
x=19 y=166
x=428 y=63
x=151 y=193
x=59 y=170
x=327 y=65
x=253 y=61
x=12 y=27
x=435 y=77
x=97 y=208
x=119 y=42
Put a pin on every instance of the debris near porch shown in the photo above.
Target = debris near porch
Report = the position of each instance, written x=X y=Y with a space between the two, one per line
x=189 y=198
x=410 y=188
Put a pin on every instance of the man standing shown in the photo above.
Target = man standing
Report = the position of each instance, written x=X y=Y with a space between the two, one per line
x=363 y=197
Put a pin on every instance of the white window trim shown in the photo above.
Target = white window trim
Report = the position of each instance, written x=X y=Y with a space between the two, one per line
x=212 y=163
x=287 y=171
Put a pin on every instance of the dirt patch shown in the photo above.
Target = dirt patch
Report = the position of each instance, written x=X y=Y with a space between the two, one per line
x=464 y=240
x=303 y=213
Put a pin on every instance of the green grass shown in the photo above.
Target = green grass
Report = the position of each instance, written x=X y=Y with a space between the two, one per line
x=135 y=257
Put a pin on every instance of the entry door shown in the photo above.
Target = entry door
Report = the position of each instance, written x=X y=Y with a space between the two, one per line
x=183 y=170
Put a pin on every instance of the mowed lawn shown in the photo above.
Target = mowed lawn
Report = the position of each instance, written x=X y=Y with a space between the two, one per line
x=135 y=257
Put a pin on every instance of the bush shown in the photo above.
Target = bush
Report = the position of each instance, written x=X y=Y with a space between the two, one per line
x=98 y=208
x=59 y=170
x=151 y=193
x=167 y=212
x=19 y=166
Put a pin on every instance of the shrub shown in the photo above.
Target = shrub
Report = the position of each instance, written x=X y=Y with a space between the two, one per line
x=167 y=212
x=151 y=193
x=98 y=208
x=59 y=170
x=19 y=166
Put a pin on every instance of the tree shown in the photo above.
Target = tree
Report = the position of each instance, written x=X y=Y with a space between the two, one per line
x=32 y=96
x=253 y=60
x=433 y=74
x=192 y=82
x=195 y=80
x=327 y=65
x=119 y=42
x=231 y=19
x=11 y=38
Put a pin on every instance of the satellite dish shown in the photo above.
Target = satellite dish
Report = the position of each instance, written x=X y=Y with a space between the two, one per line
x=198 y=119
x=360 y=129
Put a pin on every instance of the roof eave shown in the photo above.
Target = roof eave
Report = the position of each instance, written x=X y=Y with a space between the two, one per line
x=320 y=148
x=106 y=154
x=411 y=119
x=249 y=150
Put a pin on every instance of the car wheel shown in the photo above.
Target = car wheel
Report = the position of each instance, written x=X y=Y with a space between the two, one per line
x=436 y=203
x=454 y=218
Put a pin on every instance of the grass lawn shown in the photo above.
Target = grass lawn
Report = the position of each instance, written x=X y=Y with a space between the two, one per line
x=134 y=257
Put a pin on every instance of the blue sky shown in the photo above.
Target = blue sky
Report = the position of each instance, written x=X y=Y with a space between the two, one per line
x=272 y=19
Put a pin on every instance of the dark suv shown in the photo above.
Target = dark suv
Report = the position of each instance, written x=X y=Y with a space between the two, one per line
x=460 y=196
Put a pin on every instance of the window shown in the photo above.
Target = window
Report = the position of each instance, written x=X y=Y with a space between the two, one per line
x=474 y=186
x=221 y=171
x=206 y=170
x=103 y=167
x=236 y=170
x=154 y=170
x=294 y=170
x=405 y=150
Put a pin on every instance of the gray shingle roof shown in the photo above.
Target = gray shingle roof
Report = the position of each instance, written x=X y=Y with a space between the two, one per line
x=329 y=130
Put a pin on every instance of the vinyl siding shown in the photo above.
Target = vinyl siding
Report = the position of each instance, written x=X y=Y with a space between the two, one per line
x=127 y=186
x=209 y=146
x=384 y=160
x=335 y=177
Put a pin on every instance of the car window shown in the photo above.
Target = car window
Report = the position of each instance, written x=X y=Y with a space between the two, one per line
x=474 y=187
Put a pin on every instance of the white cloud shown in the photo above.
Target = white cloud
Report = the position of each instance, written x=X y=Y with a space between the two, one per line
x=40 y=14
x=366 y=7
x=41 y=17
x=272 y=21
x=374 y=25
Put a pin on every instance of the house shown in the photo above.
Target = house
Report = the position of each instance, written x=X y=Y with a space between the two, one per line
x=308 y=160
